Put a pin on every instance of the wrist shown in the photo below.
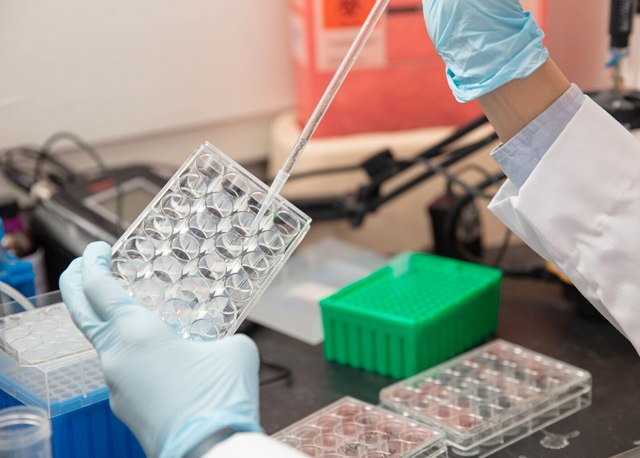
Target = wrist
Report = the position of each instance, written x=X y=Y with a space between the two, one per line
x=205 y=432
x=510 y=108
x=209 y=442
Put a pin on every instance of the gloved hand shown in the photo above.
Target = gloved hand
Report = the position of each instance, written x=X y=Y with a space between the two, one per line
x=485 y=43
x=172 y=393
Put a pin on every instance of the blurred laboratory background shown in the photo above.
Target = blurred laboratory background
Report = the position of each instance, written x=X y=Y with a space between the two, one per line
x=143 y=84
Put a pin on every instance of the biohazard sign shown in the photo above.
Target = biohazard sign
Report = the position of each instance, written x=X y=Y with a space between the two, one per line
x=345 y=13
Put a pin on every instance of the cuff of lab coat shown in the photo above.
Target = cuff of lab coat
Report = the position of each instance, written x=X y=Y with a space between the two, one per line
x=252 y=444
x=519 y=156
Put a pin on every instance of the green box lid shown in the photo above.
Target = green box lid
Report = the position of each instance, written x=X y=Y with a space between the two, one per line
x=414 y=287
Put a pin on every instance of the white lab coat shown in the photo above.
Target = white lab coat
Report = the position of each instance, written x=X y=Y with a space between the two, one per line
x=580 y=209
x=252 y=445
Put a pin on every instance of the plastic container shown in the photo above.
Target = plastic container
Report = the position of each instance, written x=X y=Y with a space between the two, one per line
x=67 y=384
x=290 y=305
x=349 y=428
x=41 y=335
x=399 y=80
x=412 y=314
x=491 y=397
x=25 y=432
x=194 y=256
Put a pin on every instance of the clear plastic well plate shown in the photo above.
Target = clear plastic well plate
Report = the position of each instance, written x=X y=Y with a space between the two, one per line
x=491 y=397
x=45 y=361
x=352 y=428
x=41 y=335
x=194 y=256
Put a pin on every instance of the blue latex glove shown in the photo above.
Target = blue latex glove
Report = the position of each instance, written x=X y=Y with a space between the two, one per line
x=485 y=43
x=172 y=393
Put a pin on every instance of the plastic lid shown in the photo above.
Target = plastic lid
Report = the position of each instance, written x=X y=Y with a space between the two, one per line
x=23 y=427
x=415 y=287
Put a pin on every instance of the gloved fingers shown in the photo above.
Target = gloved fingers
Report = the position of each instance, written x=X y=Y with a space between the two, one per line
x=244 y=351
x=73 y=296
x=247 y=351
x=103 y=291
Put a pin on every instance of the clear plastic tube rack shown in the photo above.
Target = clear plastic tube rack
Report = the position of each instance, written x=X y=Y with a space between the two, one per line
x=45 y=361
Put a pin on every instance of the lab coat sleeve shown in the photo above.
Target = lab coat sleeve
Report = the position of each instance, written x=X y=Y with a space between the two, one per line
x=520 y=155
x=580 y=209
x=242 y=445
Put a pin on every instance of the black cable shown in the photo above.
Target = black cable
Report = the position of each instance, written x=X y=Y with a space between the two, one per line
x=475 y=167
x=325 y=171
x=504 y=247
x=475 y=192
x=83 y=146
x=450 y=159
x=452 y=178
x=383 y=167
x=456 y=211
x=438 y=148
x=284 y=373
x=9 y=165
x=47 y=148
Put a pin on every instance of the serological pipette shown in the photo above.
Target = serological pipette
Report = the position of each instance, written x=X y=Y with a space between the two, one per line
x=323 y=105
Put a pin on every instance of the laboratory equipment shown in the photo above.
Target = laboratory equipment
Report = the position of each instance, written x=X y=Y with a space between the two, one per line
x=25 y=432
x=352 y=428
x=389 y=177
x=491 y=397
x=60 y=373
x=620 y=28
x=323 y=104
x=92 y=200
x=622 y=102
x=195 y=255
x=416 y=312
x=76 y=207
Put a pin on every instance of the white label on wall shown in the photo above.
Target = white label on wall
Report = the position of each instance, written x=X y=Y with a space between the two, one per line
x=298 y=38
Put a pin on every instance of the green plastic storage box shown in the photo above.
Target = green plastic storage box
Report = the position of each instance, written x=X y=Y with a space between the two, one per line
x=412 y=314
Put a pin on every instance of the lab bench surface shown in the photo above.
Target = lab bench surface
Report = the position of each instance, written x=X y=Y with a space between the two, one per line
x=533 y=314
